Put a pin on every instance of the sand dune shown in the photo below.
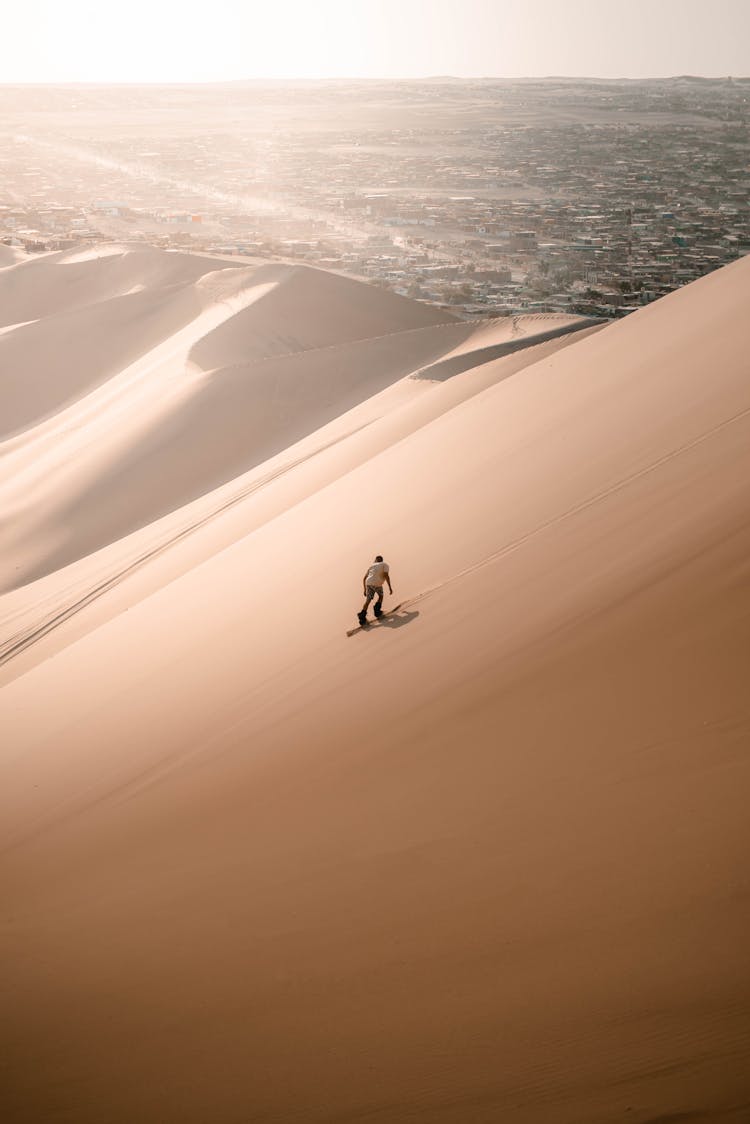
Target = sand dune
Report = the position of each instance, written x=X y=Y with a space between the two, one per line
x=114 y=423
x=43 y=615
x=328 y=309
x=483 y=862
x=10 y=255
x=54 y=283
x=50 y=362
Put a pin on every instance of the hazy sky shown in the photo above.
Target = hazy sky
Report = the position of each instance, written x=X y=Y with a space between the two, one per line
x=216 y=40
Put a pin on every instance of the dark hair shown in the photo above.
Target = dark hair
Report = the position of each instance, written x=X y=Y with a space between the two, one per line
x=379 y=558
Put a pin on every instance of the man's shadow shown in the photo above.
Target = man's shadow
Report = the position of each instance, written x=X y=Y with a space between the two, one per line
x=397 y=619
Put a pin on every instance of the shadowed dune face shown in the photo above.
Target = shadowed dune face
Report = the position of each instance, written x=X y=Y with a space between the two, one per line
x=486 y=863
x=54 y=361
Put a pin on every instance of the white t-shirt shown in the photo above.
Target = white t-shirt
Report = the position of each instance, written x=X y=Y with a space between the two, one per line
x=376 y=574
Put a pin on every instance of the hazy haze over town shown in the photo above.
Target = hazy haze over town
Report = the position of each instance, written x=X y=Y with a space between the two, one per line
x=487 y=197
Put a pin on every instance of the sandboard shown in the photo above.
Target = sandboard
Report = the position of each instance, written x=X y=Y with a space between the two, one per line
x=373 y=622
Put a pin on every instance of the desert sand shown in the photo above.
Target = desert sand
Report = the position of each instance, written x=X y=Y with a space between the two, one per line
x=10 y=255
x=484 y=861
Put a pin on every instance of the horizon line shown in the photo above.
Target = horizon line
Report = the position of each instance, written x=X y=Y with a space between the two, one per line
x=268 y=81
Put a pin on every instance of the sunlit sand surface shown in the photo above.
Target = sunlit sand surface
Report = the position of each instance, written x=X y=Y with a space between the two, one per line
x=484 y=862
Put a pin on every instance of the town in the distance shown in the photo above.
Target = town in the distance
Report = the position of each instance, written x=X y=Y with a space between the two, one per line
x=487 y=197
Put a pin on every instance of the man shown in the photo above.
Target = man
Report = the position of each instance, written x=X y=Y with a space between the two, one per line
x=373 y=586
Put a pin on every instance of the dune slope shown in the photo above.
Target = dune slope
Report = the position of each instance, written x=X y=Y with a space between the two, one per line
x=485 y=861
x=115 y=417
x=49 y=363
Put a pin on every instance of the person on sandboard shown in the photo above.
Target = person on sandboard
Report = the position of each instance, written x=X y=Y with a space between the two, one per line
x=373 y=587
